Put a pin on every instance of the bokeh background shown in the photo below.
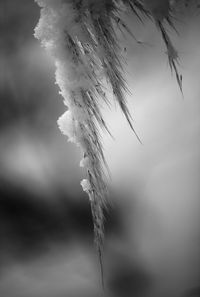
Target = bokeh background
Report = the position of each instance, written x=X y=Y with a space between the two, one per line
x=152 y=226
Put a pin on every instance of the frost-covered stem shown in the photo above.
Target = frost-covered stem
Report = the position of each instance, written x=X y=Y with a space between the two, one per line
x=81 y=36
x=78 y=74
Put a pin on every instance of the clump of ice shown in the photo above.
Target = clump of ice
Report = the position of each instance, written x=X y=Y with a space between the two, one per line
x=85 y=162
x=66 y=124
x=86 y=185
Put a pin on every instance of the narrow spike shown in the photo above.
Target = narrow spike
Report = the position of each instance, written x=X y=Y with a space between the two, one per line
x=172 y=55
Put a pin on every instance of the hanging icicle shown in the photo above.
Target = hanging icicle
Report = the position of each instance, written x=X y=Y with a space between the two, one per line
x=81 y=37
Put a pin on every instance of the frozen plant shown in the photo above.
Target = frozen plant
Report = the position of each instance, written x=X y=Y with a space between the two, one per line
x=81 y=36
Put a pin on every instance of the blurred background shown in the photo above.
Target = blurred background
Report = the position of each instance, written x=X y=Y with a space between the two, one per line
x=152 y=228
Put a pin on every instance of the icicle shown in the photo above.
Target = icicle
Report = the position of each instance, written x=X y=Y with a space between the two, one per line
x=81 y=36
x=161 y=10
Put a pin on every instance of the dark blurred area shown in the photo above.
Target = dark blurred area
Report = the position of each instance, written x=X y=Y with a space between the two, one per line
x=28 y=224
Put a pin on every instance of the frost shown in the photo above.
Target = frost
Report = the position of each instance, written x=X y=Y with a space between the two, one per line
x=85 y=162
x=86 y=185
x=67 y=125
x=81 y=36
